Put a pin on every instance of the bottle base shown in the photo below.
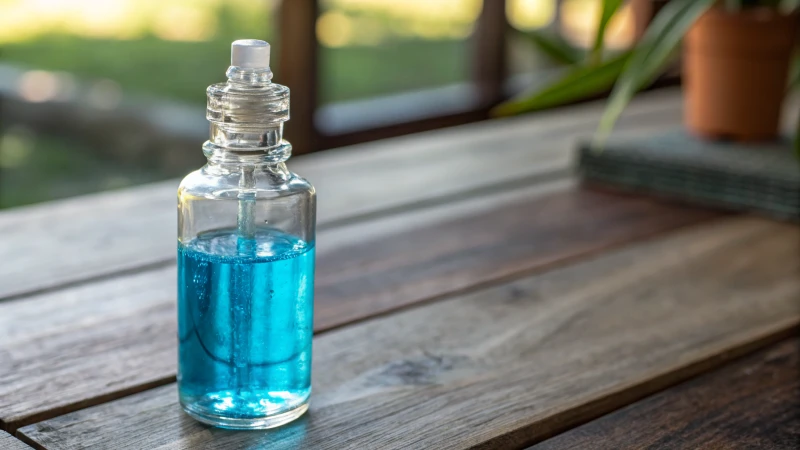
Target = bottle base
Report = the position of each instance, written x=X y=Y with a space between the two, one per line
x=250 y=423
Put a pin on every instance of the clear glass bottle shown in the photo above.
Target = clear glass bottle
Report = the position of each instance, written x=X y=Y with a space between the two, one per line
x=245 y=259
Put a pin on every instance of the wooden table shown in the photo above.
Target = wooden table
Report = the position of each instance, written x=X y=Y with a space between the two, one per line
x=469 y=295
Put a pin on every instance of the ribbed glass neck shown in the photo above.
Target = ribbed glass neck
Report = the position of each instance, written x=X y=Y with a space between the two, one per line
x=247 y=115
x=254 y=77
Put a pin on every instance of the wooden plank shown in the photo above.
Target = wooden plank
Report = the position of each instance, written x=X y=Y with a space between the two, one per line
x=506 y=366
x=68 y=349
x=95 y=236
x=450 y=118
x=8 y=442
x=482 y=247
x=751 y=403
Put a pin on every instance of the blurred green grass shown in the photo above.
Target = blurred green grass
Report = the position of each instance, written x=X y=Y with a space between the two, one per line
x=182 y=70
x=54 y=167
x=356 y=72
x=35 y=168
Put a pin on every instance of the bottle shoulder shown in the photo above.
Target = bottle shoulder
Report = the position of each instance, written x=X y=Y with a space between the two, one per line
x=210 y=184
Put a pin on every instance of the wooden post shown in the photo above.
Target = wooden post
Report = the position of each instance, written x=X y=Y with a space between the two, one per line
x=297 y=68
x=489 y=52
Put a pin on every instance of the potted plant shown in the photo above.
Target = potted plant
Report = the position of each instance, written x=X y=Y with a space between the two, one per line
x=735 y=67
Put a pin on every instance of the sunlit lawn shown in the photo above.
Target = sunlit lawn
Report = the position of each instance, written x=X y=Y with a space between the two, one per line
x=173 y=49
x=182 y=70
x=35 y=168
x=55 y=167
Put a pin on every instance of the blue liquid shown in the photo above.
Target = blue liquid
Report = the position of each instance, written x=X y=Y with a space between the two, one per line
x=245 y=321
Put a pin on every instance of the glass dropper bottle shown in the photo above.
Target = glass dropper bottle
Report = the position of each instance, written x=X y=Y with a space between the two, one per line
x=246 y=227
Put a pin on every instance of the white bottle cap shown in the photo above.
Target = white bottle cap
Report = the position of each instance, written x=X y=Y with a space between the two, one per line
x=250 y=54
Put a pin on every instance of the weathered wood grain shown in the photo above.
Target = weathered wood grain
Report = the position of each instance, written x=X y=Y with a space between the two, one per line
x=8 y=442
x=102 y=234
x=751 y=403
x=507 y=366
x=75 y=347
x=376 y=276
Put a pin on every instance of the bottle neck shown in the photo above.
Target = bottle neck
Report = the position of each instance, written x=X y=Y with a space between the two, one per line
x=252 y=77
x=247 y=115
x=237 y=145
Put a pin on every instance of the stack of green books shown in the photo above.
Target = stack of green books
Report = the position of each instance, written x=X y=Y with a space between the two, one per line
x=763 y=177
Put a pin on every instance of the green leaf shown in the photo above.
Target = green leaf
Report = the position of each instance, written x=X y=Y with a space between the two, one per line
x=797 y=140
x=649 y=56
x=794 y=83
x=794 y=75
x=554 y=46
x=578 y=84
x=610 y=7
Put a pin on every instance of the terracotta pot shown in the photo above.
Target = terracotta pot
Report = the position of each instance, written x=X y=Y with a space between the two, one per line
x=735 y=71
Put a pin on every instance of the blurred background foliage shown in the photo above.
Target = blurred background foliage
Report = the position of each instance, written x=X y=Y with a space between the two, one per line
x=171 y=50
